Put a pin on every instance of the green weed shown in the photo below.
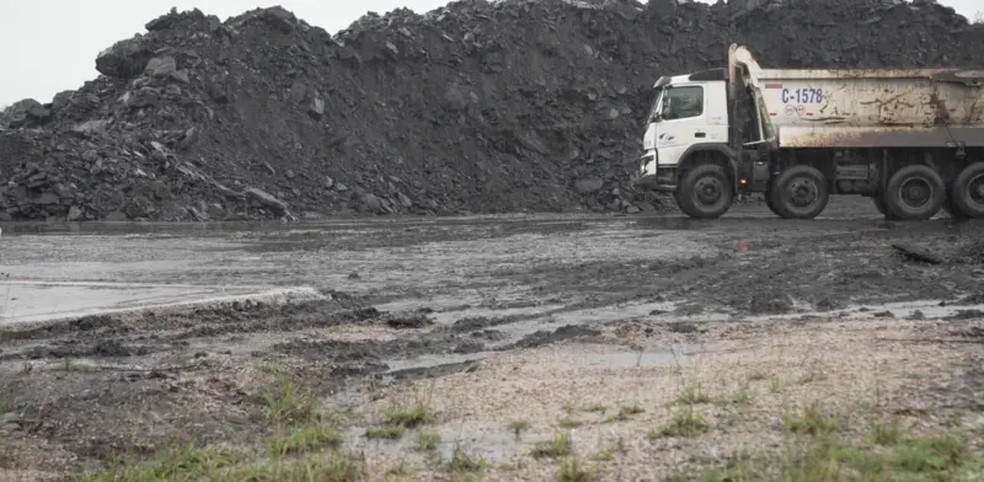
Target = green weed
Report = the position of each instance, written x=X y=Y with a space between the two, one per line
x=573 y=471
x=810 y=422
x=428 y=441
x=306 y=439
x=685 y=423
x=557 y=447
x=386 y=432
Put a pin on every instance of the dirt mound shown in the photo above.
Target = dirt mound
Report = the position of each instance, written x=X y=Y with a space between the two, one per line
x=476 y=107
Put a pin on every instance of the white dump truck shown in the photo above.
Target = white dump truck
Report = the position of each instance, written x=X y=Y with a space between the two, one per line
x=912 y=140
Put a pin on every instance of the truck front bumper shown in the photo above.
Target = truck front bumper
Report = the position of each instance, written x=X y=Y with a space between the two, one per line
x=654 y=177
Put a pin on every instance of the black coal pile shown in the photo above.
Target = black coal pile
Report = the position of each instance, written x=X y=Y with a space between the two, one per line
x=506 y=106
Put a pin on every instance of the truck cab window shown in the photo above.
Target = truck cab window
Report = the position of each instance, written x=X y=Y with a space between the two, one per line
x=683 y=103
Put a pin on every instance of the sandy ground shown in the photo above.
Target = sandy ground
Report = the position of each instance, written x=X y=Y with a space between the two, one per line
x=920 y=373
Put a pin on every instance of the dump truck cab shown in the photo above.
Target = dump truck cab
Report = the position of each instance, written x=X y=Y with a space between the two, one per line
x=690 y=115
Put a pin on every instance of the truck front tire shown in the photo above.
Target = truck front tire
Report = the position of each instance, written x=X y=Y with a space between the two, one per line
x=705 y=192
x=915 y=193
x=800 y=192
x=967 y=192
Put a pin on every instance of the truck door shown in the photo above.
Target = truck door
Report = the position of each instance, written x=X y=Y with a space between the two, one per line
x=682 y=123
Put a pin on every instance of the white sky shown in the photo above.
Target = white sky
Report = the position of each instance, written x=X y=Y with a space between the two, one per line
x=51 y=45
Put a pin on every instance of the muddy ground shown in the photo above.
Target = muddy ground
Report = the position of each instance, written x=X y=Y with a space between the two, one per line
x=502 y=332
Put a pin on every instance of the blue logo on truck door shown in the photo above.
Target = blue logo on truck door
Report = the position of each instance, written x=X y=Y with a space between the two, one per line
x=802 y=96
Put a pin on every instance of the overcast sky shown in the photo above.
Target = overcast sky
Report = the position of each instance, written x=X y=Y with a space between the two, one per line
x=51 y=45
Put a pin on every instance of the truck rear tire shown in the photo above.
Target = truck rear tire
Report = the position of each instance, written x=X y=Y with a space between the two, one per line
x=768 y=198
x=800 y=192
x=915 y=193
x=879 y=200
x=967 y=192
x=705 y=192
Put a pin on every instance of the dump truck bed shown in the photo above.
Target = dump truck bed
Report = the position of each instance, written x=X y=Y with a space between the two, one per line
x=820 y=108
x=875 y=108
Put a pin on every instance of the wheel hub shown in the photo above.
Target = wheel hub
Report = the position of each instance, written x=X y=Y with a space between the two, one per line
x=977 y=189
x=803 y=192
x=709 y=190
x=916 y=193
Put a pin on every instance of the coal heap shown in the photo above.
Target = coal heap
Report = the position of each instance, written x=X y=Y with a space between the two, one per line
x=508 y=106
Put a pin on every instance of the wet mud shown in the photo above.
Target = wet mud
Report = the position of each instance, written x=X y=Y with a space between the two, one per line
x=433 y=297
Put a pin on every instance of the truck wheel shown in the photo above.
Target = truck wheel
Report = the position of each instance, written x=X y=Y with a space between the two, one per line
x=952 y=210
x=768 y=199
x=967 y=192
x=705 y=192
x=879 y=200
x=801 y=192
x=915 y=193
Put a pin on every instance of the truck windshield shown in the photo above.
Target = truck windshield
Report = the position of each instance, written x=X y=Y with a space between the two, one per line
x=682 y=103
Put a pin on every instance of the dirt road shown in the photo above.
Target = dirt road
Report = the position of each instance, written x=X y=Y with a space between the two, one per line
x=497 y=332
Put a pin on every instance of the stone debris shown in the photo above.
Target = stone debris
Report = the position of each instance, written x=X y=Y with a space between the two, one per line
x=479 y=106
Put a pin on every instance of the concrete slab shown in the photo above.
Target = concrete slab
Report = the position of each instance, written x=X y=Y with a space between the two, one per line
x=39 y=301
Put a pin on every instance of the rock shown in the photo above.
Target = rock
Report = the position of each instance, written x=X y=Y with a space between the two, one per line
x=373 y=204
x=62 y=100
x=664 y=9
x=191 y=137
x=405 y=201
x=316 y=108
x=143 y=97
x=916 y=253
x=161 y=66
x=89 y=128
x=139 y=208
x=124 y=60
x=392 y=49
x=588 y=186
x=279 y=19
x=74 y=214
x=263 y=199
x=116 y=216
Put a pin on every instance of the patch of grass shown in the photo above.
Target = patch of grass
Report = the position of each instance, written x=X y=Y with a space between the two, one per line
x=386 y=432
x=685 y=423
x=608 y=455
x=811 y=421
x=409 y=417
x=693 y=395
x=557 y=447
x=827 y=458
x=775 y=385
x=286 y=403
x=401 y=469
x=625 y=413
x=594 y=408
x=428 y=441
x=887 y=433
x=743 y=396
x=737 y=469
x=519 y=426
x=189 y=462
x=570 y=422
x=334 y=467
x=306 y=439
x=572 y=471
x=462 y=462
x=932 y=455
